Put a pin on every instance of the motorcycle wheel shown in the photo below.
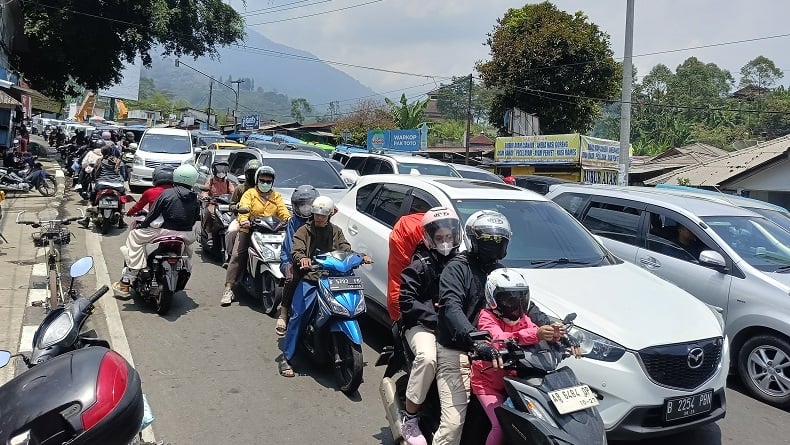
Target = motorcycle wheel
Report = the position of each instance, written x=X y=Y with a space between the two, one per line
x=164 y=300
x=106 y=223
x=348 y=371
x=270 y=299
x=47 y=186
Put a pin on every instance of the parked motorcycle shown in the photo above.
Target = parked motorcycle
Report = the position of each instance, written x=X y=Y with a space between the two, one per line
x=332 y=334
x=24 y=181
x=547 y=404
x=262 y=277
x=166 y=271
x=110 y=200
x=223 y=219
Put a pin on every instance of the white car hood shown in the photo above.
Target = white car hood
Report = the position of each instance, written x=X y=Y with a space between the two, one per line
x=623 y=303
x=335 y=194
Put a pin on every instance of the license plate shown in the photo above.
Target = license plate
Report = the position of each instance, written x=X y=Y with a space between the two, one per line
x=572 y=399
x=108 y=204
x=272 y=238
x=681 y=407
x=345 y=283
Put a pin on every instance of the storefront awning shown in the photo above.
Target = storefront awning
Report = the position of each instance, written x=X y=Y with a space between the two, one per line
x=38 y=101
x=6 y=101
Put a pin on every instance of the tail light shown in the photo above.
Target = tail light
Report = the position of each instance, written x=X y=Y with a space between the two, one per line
x=110 y=387
x=173 y=260
x=127 y=198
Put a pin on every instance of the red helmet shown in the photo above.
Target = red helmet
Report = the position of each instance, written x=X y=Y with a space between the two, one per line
x=510 y=180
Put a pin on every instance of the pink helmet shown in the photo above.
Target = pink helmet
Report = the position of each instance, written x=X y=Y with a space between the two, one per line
x=439 y=218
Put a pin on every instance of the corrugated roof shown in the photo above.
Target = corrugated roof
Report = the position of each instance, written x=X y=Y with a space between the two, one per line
x=692 y=154
x=724 y=168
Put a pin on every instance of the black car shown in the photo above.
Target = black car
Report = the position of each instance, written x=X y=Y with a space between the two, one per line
x=538 y=183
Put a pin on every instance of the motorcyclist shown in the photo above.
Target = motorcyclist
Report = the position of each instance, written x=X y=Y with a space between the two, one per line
x=249 y=182
x=179 y=209
x=302 y=205
x=262 y=200
x=88 y=164
x=461 y=297
x=128 y=138
x=318 y=235
x=107 y=137
x=163 y=180
x=107 y=171
x=419 y=295
x=217 y=185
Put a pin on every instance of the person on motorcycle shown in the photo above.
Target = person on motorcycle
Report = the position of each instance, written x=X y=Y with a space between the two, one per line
x=262 y=200
x=108 y=139
x=128 y=138
x=419 y=295
x=217 y=185
x=88 y=164
x=461 y=297
x=249 y=182
x=404 y=238
x=163 y=180
x=510 y=180
x=302 y=204
x=317 y=235
x=107 y=170
x=179 y=208
x=504 y=317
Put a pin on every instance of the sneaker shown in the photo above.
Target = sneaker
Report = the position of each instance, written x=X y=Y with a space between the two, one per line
x=121 y=289
x=227 y=298
x=410 y=430
x=84 y=222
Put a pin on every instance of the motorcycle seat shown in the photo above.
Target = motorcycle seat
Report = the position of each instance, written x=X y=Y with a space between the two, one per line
x=111 y=185
x=168 y=239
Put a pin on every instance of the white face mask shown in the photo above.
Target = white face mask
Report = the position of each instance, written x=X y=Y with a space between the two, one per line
x=305 y=209
x=444 y=248
x=221 y=175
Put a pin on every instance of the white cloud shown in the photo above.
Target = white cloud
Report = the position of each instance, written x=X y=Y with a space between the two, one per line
x=445 y=37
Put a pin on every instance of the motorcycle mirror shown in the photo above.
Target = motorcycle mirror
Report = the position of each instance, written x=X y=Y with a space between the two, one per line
x=479 y=335
x=5 y=357
x=81 y=267
x=243 y=211
x=569 y=318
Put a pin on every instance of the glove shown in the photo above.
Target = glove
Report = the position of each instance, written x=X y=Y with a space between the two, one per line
x=484 y=351
x=233 y=207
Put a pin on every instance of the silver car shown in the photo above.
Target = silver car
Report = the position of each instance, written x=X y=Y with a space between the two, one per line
x=733 y=259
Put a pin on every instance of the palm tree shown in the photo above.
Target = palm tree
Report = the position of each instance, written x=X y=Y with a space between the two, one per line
x=407 y=115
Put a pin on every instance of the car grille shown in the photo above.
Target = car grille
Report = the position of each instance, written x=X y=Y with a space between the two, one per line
x=679 y=366
x=154 y=164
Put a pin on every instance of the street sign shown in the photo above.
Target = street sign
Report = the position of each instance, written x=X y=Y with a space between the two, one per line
x=346 y=135
x=251 y=122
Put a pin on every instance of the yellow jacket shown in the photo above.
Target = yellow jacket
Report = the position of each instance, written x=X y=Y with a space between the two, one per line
x=273 y=205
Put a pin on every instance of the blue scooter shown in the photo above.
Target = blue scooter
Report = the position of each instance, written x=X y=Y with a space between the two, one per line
x=332 y=333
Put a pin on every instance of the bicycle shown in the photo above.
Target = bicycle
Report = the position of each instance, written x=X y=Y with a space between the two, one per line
x=52 y=235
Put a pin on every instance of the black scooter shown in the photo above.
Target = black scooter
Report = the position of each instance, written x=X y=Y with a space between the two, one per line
x=223 y=219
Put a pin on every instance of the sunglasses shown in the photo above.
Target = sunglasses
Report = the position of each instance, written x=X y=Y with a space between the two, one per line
x=488 y=237
x=265 y=181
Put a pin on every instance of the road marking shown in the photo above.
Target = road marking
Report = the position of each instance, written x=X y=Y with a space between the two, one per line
x=40 y=270
x=26 y=341
x=118 y=339
x=36 y=295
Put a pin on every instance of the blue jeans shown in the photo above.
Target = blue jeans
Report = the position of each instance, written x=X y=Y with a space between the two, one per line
x=304 y=295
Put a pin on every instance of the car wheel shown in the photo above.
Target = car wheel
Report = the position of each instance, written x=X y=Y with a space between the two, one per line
x=764 y=367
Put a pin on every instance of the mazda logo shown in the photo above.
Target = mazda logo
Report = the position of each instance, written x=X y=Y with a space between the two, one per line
x=695 y=358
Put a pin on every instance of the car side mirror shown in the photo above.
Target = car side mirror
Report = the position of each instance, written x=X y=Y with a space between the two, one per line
x=713 y=259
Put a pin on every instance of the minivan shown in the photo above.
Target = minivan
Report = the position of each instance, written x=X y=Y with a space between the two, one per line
x=733 y=259
x=160 y=146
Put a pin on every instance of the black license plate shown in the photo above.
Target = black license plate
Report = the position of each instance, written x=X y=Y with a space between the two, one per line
x=345 y=283
x=682 y=407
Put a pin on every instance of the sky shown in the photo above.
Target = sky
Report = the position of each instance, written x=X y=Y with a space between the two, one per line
x=445 y=37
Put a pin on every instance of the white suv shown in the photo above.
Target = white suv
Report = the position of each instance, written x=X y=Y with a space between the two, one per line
x=649 y=345
x=363 y=164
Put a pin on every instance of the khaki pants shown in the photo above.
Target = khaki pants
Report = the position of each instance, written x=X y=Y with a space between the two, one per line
x=238 y=259
x=452 y=380
x=423 y=343
x=134 y=250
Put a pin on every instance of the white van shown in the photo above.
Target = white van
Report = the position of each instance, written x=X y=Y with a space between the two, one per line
x=168 y=146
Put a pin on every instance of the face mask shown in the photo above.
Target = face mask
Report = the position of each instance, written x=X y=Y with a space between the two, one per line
x=221 y=175
x=444 y=248
x=305 y=209
x=509 y=322
x=264 y=188
x=489 y=252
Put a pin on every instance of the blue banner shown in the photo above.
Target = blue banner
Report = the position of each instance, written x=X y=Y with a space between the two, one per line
x=251 y=122
x=403 y=140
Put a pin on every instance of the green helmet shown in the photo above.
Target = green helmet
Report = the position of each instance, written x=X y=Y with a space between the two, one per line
x=249 y=170
x=185 y=175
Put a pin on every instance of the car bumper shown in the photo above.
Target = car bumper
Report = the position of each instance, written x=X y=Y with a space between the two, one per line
x=141 y=176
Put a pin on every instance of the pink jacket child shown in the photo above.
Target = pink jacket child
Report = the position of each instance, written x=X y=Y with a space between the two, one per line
x=489 y=385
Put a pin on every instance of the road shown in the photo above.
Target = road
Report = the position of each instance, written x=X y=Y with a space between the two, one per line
x=210 y=374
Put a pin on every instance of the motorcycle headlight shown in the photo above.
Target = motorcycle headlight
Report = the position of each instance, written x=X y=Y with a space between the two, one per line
x=337 y=308
x=138 y=160
x=56 y=331
x=537 y=410
x=266 y=253
x=361 y=307
x=596 y=347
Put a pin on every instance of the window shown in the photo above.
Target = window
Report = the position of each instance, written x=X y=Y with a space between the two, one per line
x=363 y=196
x=386 y=206
x=613 y=221
x=355 y=163
x=670 y=237
x=165 y=143
x=573 y=203
x=385 y=168
x=406 y=168
x=762 y=244
x=238 y=163
x=206 y=160
x=371 y=167
x=295 y=172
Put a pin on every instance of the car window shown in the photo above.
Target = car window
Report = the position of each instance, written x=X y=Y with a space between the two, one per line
x=355 y=162
x=386 y=205
x=165 y=143
x=760 y=242
x=371 y=167
x=668 y=236
x=614 y=221
x=481 y=175
x=295 y=172
x=573 y=203
x=406 y=168
x=238 y=162
x=385 y=168
x=206 y=159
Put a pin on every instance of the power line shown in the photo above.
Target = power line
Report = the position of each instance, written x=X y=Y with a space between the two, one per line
x=317 y=13
x=273 y=7
x=260 y=12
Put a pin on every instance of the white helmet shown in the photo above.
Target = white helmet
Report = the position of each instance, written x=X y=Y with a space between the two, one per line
x=507 y=293
x=323 y=205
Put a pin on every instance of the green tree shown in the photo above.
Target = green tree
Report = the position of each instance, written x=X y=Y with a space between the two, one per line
x=299 y=107
x=538 y=50
x=90 y=40
x=760 y=72
x=407 y=115
x=450 y=132
x=453 y=99
x=367 y=114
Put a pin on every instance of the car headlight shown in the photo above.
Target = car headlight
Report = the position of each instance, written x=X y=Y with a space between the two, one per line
x=596 y=347
x=537 y=410
x=718 y=316
x=138 y=160
x=57 y=330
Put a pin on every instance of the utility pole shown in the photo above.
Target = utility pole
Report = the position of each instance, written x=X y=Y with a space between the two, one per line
x=625 y=105
x=469 y=120
x=236 y=110
x=208 y=113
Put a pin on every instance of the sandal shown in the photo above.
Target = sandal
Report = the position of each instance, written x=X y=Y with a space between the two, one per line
x=285 y=369
x=281 y=328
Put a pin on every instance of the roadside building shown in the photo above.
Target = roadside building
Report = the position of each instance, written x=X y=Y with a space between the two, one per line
x=645 y=168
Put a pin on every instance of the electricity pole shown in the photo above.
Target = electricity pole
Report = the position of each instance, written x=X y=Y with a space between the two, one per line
x=625 y=103
x=236 y=110
x=468 y=121
x=208 y=113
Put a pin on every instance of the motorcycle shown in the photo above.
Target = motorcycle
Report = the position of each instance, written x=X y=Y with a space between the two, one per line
x=24 y=181
x=263 y=277
x=547 y=404
x=166 y=271
x=332 y=334
x=223 y=219
x=110 y=201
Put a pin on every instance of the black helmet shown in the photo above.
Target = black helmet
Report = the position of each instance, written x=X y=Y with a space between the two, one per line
x=106 y=151
x=249 y=171
x=302 y=200
x=97 y=143
x=220 y=167
x=163 y=175
x=487 y=235
x=130 y=136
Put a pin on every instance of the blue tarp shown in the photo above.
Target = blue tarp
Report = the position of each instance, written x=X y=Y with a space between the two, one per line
x=235 y=136
x=261 y=137
x=285 y=138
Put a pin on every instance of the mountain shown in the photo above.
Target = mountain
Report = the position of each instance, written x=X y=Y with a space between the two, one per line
x=275 y=79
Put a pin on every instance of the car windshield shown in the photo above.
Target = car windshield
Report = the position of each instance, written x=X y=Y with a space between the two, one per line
x=406 y=168
x=204 y=141
x=292 y=173
x=165 y=143
x=544 y=235
x=760 y=242
x=481 y=175
x=780 y=218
